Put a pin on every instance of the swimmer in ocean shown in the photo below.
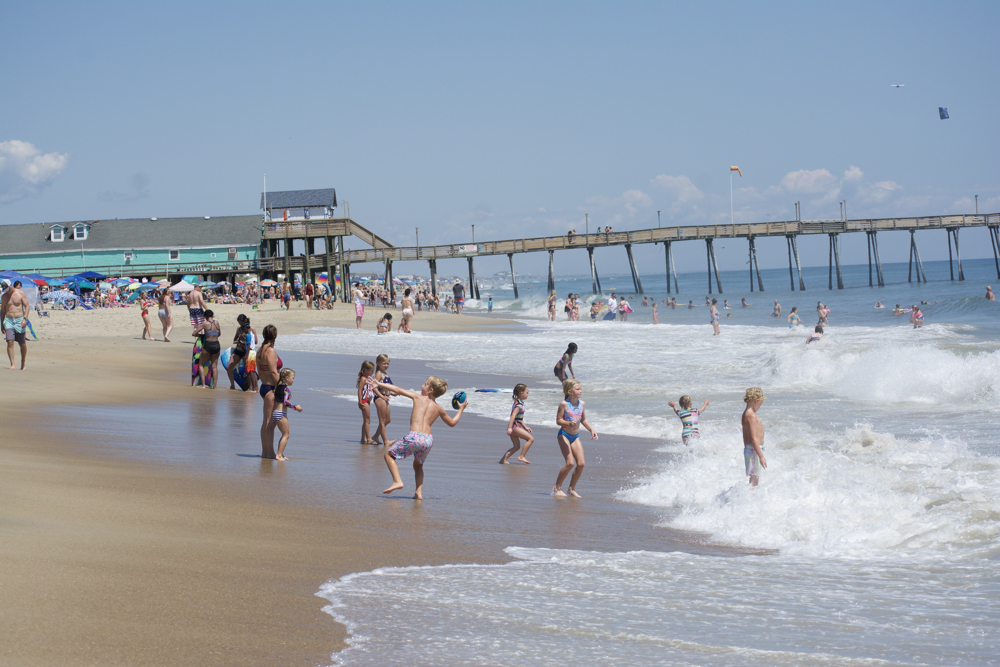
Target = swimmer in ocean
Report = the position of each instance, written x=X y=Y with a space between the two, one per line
x=816 y=335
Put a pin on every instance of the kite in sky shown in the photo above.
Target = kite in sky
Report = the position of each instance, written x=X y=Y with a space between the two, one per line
x=896 y=85
x=943 y=112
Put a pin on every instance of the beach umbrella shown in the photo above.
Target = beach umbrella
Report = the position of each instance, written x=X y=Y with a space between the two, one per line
x=268 y=283
x=56 y=282
x=105 y=286
x=147 y=287
x=190 y=278
x=134 y=286
x=85 y=284
x=38 y=276
x=206 y=283
x=40 y=282
x=163 y=283
x=120 y=281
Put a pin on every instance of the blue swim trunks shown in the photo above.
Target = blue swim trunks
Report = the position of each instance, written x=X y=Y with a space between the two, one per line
x=416 y=444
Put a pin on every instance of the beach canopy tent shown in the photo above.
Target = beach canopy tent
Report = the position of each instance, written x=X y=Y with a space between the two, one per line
x=38 y=276
x=86 y=275
x=56 y=282
x=182 y=286
x=190 y=278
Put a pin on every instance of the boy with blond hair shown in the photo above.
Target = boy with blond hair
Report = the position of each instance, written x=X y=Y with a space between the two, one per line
x=753 y=434
x=419 y=440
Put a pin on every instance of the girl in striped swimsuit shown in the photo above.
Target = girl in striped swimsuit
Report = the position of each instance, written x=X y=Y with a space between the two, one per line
x=516 y=428
x=282 y=401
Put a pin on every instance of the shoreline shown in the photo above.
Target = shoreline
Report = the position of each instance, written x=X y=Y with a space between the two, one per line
x=116 y=554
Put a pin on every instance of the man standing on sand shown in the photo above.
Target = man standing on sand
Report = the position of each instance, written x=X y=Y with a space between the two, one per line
x=14 y=319
x=459 y=291
x=196 y=307
x=753 y=434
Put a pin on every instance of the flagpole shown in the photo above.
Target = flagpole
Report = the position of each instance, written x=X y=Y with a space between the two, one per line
x=731 y=220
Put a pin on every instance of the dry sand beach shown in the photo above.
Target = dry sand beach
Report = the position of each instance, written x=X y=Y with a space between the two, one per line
x=139 y=526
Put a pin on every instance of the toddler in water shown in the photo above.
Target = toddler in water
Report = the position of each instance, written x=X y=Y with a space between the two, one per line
x=569 y=417
x=689 y=418
x=365 y=397
x=419 y=440
x=385 y=324
x=282 y=401
x=516 y=428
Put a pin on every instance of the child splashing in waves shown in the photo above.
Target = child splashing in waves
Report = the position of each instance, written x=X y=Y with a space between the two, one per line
x=419 y=440
x=365 y=397
x=569 y=417
x=516 y=428
x=282 y=401
x=382 y=399
x=689 y=418
x=565 y=362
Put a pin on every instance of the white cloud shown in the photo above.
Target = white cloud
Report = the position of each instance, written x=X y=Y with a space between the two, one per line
x=636 y=199
x=680 y=187
x=853 y=174
x=24 y=169
x=805 y=181
x=878 y=192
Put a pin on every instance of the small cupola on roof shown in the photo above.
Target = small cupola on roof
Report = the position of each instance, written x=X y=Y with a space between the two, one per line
x=299 y=204
x=57 y=233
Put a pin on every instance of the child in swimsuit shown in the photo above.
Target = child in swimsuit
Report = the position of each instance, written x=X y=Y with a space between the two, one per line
x=516 y=428
x=282 y=401
x=365 y=396
x=569 y=417
x=419 y=440
x=816 y=335
x=689 y=418
x=385 y=324
x=382 y=399
x=565 y=362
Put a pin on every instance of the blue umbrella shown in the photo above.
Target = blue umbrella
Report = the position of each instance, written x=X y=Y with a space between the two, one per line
x=56 y=282
x=84 y=284
x=147 y=287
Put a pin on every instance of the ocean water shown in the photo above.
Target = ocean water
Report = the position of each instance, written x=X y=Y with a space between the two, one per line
x=878 y=518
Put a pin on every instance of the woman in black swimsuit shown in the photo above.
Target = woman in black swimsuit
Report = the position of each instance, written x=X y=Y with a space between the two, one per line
x=267 y=369
x=210 y=331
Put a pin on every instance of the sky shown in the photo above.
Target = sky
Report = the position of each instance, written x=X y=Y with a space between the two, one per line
x=520 y=118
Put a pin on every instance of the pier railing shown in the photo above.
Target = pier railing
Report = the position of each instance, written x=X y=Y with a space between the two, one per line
x=381 y=253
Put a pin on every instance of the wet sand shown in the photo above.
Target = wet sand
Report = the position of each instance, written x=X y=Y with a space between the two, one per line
x=139 y=525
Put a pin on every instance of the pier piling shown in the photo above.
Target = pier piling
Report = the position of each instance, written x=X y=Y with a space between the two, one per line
x=995 y=240
x=513 y=278
x=666 y=255
x=593 y=273
x=958 y=254
x=878 y=260
x=712 y=265
x=635 y=272
x=552 y=280
x=754 y=264
x=473 y=287
x=836 y=259
x=434 y=276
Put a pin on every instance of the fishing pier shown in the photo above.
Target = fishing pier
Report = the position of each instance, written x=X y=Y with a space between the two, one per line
x=336 y=258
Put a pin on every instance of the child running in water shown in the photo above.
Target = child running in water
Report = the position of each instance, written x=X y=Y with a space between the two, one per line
x=365 y=397
x=419 y=440
x=689 y=418
x=282 y=401
x=516 y=428
x=569 y=417
x=382 y=399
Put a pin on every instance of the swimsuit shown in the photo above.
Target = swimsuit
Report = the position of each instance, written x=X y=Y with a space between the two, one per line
x=164 y=314
x=519 y=408
x=792 y=322
x=197 y=316
x=560 y=368
x=280 y=412
x=689 y=420
x=385 y=380
x=367 y=394
x=407 y=311
x=812 y=338
x=266 y=389
x=572 y=413
x=416 y=444
x=14 y=329
x=751 y=461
